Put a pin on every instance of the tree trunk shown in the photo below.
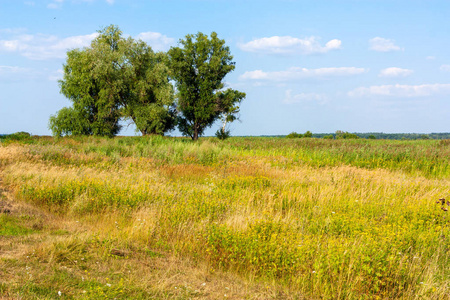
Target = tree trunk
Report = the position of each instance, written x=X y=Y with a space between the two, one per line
x=195 y=136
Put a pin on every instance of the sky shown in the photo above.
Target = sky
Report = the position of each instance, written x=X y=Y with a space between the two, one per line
x=322 y=65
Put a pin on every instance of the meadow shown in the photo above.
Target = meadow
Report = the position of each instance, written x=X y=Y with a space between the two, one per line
x=245 y=218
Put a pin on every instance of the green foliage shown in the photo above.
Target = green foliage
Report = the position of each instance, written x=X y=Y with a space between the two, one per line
x=149 y=100
x=372 y=137
x=328 y=137
x=222 y=134
x=199 y=68
x=113 y=78
x=345 y=135
x=69 y=121
x=91 y=82
x=402 y=136
x=294 y=135
x=21 y=137
x=307 y=134
x=18 y=136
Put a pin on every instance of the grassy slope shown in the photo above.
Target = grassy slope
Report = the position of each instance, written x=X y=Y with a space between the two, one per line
x=165 y=218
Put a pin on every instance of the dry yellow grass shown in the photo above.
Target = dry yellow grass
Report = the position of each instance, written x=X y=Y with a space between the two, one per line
x=251 y=226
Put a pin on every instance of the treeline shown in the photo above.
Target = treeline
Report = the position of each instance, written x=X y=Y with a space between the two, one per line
x=372 y=135
x=407 y=136
x=119 y=78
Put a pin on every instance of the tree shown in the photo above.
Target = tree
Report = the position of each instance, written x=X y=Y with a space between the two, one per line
x=345 y=135
x=113 y=78
x=69 y=121
x=307 y=134
x=294 y=135
x=199 y=68
x=149 y=97
x=227 y=106
x=92 y=82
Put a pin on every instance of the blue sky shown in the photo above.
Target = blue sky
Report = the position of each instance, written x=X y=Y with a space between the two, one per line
x=322 y=65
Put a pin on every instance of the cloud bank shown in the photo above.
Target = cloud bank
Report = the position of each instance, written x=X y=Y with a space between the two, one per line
x=156 y=40
x=57 y=4
x=295 y=73
x=445 y=68
x=304 y=98
x=399 y=90
x=43 y=46
x=289 y=45
x=383 y=45
x=394 y=72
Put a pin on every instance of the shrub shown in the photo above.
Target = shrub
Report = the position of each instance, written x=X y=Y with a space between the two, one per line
x=294 y=135
x=345 y=135
x=222 y=134
x=307 y=134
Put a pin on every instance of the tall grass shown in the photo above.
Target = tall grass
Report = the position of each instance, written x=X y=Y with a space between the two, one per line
x=328 y=219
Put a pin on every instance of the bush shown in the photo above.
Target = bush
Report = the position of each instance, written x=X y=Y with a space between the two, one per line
x=19 y=136
x=307 y=134
x=345 y=135
x=328 y=137
x=294 y=135
x=222 y=134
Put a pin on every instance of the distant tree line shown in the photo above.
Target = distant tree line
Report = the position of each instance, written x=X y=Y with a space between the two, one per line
x=119 y=78
x=294 y=135
x=372 y=135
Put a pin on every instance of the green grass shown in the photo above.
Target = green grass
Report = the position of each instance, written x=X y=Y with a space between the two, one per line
x=12 y=226
x=330 y=219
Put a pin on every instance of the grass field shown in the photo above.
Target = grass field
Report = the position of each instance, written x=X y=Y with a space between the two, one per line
x=245 y=218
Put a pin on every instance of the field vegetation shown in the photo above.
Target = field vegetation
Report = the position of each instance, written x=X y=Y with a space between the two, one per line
x=245 y=218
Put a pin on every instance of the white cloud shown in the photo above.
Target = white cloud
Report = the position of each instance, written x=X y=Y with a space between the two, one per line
x=12 y=30
x=399 y=90
x=304 y=98
x=41 y=46
x=13 y=73
x=445 y=68
x=395 y=72
x=156 y=40
x=6 y=70
x=295 y=73
x=289 y=45
x=11 y=45
x=430 y=57
x=55 y=4
x=383 y=45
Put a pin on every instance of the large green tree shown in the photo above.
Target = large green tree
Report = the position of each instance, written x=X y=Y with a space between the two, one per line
x=113 y=78
x=149 y=96
x=199 y=68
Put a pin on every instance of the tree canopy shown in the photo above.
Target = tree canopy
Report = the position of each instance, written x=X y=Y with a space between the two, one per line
x=120 y=78
x=113 y=78
x=198 y=68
